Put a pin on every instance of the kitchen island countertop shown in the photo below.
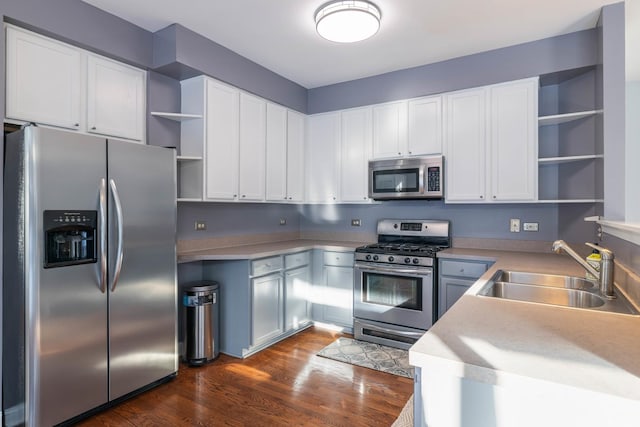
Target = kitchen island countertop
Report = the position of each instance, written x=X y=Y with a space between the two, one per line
x=510 y=343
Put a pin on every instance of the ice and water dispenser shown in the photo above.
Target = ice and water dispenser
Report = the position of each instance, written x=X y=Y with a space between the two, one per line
x=70 y=237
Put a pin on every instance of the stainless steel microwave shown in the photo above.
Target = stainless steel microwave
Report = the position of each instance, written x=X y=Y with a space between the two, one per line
x=406 y=178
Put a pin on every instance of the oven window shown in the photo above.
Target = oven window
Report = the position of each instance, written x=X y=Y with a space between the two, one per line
x=396 y=181
x=392 y=291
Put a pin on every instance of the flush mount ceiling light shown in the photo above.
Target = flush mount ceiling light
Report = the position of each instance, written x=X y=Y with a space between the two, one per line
x=347 y=21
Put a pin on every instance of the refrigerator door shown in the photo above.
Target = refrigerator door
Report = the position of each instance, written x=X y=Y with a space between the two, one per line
x=65 y=307
x=142 y=266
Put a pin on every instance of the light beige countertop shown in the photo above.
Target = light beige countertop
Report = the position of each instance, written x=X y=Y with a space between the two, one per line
x=504 y=342
x=261 y=250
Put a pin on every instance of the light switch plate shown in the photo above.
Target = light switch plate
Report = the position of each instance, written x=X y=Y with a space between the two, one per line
x=530 y=226
x=355 y=222
x=200 y=226
x=283 y=221
x=514 y=225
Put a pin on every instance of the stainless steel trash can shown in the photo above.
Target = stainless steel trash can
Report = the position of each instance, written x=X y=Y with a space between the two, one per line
x=200 y=301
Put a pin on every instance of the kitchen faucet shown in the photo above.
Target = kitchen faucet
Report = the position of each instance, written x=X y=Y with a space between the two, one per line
x=604 y=276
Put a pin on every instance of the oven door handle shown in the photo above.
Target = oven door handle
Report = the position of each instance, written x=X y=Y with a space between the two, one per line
x=422 y=271
x=391 y=331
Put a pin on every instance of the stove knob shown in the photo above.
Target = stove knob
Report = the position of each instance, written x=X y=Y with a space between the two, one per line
x=407 y=260
x=391 y=259
x=416 y=261
x=368 y=257
x=375 y=257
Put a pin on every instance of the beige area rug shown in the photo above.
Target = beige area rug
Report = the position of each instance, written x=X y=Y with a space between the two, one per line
x=405 y=419
x=369 y=355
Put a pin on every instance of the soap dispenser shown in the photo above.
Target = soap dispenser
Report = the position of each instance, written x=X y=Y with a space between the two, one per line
x=594 y=259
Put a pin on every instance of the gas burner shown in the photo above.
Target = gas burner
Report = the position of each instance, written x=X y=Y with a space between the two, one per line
x=414 y=242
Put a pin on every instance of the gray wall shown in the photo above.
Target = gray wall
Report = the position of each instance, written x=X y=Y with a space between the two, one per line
x=611 y=49
x=486 y=221
x=178 y=52
x=231 y=219
x=545 y=56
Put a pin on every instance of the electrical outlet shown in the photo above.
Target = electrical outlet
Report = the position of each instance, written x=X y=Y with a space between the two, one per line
x=200 y=226
x=530 y=226
x=283 y=221
x=514 y=225
x=355 y=222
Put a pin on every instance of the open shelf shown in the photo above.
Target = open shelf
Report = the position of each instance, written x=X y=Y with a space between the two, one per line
x=178 y=117
x=570 y=201
x=564 y=118
x=567 y=159
x=189 y=158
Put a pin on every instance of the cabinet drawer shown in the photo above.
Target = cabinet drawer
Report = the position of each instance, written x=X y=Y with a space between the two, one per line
x=296 y=260
x=341 y=259
x=462 y=269
x=263 y=266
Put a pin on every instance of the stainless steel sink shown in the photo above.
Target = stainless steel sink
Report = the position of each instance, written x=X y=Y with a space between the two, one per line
x=544 y=295
x=552 y=280
x=565 y=291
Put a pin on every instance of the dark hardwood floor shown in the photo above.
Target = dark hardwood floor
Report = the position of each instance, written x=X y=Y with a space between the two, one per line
x=286 y=384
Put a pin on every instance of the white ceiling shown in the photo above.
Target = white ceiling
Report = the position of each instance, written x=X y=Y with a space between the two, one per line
x=280 y=34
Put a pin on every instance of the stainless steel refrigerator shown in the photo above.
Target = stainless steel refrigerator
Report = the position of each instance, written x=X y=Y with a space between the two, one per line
x=89 y=284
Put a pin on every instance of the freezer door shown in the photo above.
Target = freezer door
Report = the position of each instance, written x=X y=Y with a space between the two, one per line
x=142 y=266
x=65 y=308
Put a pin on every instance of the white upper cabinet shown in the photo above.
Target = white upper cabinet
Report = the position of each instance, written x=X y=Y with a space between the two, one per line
x=53 y=83
x=295 y=156
x=43 y=80
x=513 y=139
x=355 y=153
x=276 y=153
x=425 y=126
x=285 y=155
x=251 y=176
x=222 y=141
x=115 y=99
x=390 y=129
x=251 y=149
x=491 y=143
x=322 y=157
x=465 y=145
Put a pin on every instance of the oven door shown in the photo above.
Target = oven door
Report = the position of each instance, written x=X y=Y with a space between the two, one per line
x=397 y=295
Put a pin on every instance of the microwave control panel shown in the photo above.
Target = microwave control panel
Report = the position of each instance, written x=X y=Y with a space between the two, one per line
x=433 y=179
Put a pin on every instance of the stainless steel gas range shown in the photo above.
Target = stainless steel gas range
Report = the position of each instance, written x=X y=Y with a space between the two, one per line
x=395 y=295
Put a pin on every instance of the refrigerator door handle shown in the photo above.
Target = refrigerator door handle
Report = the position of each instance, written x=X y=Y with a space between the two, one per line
x=119 y=221
x=102 y=213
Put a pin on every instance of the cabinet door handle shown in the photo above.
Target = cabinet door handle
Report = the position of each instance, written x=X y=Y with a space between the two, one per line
x=494 y=197
x=243 y=196
x=76 y=124
x=93 y=128
x=482 y=197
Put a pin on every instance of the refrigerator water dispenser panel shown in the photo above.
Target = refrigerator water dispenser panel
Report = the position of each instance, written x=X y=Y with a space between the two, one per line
x=70 y=238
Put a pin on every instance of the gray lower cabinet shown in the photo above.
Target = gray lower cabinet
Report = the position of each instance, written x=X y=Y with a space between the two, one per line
x=336 y=292
x=262 y=301
x=297 y=309
x=267 y=306
x=454 y=278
